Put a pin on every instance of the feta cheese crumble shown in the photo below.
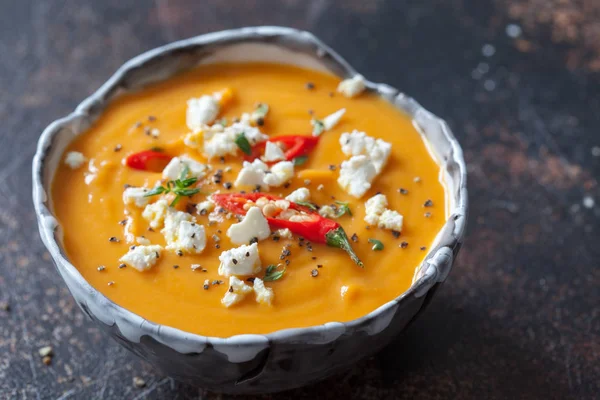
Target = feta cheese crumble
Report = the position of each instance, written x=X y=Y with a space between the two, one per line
x=356 y=175
x=217 y=144
x=155 y=213
x=358 y=143
x=236 y=292
x=195 y=139
x=254 y=225
x=301 y=194
x=374 y=207
x=135 y=196
x=173 y=219
x=177 y=164
x=327 y=212
x=273 y=153
x=189 y=237
x=264 y=295
x=142 y=258
x=143 y=240
x=201 y=111
x=75 y=159
x=377 y=214
x=281 y=172
x=243 y=260
x=251 y=174
x=352 y=87
x=205 y=207
x=391 y=219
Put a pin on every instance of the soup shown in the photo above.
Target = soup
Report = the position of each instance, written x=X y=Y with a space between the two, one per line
x=249 y=198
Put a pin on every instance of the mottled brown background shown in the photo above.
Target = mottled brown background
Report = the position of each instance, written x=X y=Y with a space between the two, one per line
x=519 y=317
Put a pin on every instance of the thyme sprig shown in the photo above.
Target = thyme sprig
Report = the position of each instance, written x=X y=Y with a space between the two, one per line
x=179 y=187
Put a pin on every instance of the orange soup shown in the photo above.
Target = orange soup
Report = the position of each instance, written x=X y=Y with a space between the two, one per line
x=239 y=198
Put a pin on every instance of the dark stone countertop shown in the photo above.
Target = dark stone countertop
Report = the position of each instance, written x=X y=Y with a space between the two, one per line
x=519 y=317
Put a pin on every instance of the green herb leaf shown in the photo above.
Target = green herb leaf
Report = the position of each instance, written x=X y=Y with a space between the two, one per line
x=272 y=274
x=184 y=172
x=300 y=160
x=343 y=209
x=222 y=122
x=155 y=191
x=175 y=201
x=318 y=127
x=188 y=192
x=179 y=187
x=307 y=205
x=261 y=111
x=187 y=182
x=270 y=269
x=158 y=149
x=243 y=143
x=377 y=245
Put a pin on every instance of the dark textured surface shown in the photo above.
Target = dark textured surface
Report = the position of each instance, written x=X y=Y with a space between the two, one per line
x=519 y=316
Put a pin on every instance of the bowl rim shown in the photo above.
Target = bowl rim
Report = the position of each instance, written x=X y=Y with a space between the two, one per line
x=435 y=266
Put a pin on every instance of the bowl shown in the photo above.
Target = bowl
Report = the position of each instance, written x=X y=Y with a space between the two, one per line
x=284 y=359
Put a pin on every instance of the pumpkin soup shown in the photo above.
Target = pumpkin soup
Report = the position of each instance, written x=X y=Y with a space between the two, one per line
x=249 y=198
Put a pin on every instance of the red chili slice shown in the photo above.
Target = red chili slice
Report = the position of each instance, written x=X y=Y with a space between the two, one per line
x=148 y=160
x=293 y=146
x=318 y=229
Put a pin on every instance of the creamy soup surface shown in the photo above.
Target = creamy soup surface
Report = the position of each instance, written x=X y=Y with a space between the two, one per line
x=219 y=282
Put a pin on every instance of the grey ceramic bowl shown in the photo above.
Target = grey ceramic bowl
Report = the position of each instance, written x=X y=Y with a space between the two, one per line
x=251 y=363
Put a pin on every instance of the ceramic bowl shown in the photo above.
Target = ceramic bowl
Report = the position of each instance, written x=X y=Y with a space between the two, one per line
x=251 y=363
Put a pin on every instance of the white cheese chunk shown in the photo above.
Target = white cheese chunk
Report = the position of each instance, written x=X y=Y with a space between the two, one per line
x=254 y=225
x=205 y=207
x=195 y=139
x=75 y=159
x=301 y=194
x=284 y=233
x=273 y=152
x=374 y=207
x=327 y=212
x=201 y=111
x=252 y=133
x=177 y=164
x=352 y=87
x=142 y=258
x=377 y=214
x=330 y=121
x=173 y=219
x=281 y=172
x=356 y=175
x=391 y=219
x=251 y=174
x=264 y=295
x=358 y=143
x=243 y=260
x=135 y=196
x=236 y=292
x=190 y=238
x=217 y=144
x=155 y=213
x=143 y=240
